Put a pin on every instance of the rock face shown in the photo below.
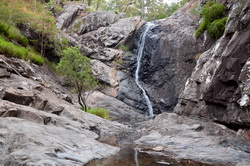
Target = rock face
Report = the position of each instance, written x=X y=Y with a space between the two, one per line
x=99 y=35
x=185 y=138
x=39 y=127
x=219 y=86
x=168 y=60
x=69 y=14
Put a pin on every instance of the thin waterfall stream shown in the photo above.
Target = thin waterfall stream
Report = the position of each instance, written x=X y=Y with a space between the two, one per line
x=138 y=66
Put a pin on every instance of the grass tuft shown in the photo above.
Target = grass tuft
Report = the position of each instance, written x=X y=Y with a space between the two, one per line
x=13 y=50
x=103 y=113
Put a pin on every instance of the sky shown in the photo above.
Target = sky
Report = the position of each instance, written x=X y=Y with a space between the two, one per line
x=170 y=1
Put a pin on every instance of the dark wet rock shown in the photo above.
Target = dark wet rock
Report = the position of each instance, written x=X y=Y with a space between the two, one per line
x=169 y=57
x=218 y=87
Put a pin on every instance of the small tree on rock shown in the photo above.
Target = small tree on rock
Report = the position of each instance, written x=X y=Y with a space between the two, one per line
x=76 y=68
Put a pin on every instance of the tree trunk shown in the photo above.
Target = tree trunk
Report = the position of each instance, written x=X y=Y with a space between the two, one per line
x=82 y=102
x=143 y=6
x=89 y=2
x=130 y=3
x=98 y=4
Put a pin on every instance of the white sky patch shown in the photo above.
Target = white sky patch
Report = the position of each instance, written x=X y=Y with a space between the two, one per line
x=170 y=1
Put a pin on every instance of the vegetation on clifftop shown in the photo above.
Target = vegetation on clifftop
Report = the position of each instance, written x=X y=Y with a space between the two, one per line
x=33 y=17
x=212 y=13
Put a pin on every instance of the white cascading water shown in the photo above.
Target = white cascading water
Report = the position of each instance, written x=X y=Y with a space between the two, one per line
x=136 y=157
x=138 y=66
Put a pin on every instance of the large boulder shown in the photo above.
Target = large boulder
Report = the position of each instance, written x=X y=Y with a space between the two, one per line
x=94 y=20
x=218 y=87
x=104 y=73
x=93 y=42
x=70 y=12
x=118 y=110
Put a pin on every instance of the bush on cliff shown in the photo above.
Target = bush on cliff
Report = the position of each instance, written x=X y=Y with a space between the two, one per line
x=217 y=27
x=211 y=13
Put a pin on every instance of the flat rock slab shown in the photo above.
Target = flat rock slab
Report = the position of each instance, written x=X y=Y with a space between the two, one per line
x=28 y=143
x=187 y=138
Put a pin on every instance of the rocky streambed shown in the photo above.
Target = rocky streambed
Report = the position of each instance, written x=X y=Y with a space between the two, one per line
x=42 y=125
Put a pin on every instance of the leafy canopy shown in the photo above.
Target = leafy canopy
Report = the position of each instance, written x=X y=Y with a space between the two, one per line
x=76 y=68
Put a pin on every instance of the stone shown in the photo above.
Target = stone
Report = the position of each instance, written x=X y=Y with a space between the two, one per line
x=107 y=54
x=175 y=135
x=18 y=96
x=53 y=108
x=33 y=133
x=104 y=73
x=94 y=20
x=4 y=73
x=69 y=15
x=158 y=148
x=104 y=31
x=219 y=86
x=118 y=110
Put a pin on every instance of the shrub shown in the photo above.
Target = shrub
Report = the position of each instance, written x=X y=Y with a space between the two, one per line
x=35 y=58
x=217 y=27
x=13 y=33
x=3 y=27
x=58 y=9
x=103 y=113
x=12 y=49
x=210 y=11
x=202 y=27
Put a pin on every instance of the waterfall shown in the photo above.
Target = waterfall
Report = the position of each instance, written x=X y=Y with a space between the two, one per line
x=138 y=66
x=136 y=157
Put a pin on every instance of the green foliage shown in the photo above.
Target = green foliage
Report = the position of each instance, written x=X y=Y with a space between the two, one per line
x=13 y=33
x=210 y=12
x=36 y=58
x=147 y=9
x=12 y=50
x=60 y=44
x=77 y=70
x=123 y=47
x=119 y=61
x=103 y=113
x=58 y=9
x=160 y=10
x=217 y=27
